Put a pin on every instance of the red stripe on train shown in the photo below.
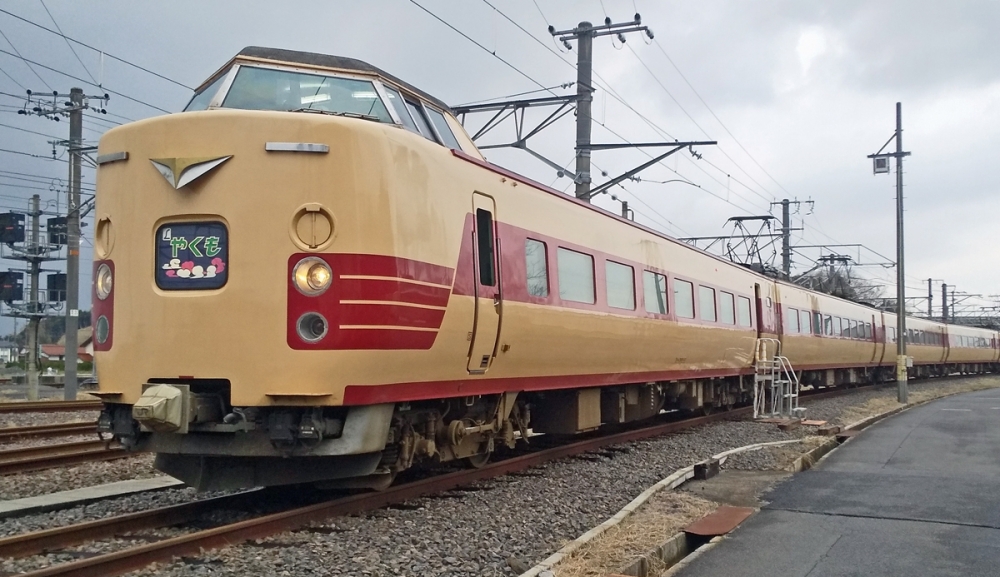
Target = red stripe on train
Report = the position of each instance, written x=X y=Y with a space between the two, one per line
x=384 y=313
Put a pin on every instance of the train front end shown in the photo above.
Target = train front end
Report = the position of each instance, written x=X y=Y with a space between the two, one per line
x=222 y=234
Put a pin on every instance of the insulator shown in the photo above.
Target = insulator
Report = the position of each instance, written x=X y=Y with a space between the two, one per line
x=638 y=19
x=552 y=30
x=649 y=32
x=607 y=21
x=621 y=38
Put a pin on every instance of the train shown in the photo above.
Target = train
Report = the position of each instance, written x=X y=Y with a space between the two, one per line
x=311 y=275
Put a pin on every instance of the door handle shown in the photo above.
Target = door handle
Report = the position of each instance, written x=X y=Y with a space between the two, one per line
x=496 y=301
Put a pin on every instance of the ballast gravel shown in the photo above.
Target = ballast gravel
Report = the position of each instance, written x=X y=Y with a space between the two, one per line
x=139 y=466
x=496 y=527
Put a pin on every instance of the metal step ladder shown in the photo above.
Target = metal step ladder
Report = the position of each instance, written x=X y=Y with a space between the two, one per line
x=776 y=386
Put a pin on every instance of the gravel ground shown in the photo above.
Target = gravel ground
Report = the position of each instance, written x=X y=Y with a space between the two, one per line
x=23 y=443
x=34 y=419
x=65 y=478
x=497 y=527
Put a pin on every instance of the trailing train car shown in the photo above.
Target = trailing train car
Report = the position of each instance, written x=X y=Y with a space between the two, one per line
x=311 y=275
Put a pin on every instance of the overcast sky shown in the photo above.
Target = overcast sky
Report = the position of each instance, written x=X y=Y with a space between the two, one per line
x=797 y=93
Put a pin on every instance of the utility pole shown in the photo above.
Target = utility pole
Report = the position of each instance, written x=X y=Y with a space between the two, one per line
x=584 y=34
x=73 y=242
x=786 y=233
x=944 y=302
x=33 y=253
x=881 y=166
x=930 y=298
x=78 y=102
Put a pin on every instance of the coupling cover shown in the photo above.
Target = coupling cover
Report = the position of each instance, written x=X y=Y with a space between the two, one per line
x=162 y=408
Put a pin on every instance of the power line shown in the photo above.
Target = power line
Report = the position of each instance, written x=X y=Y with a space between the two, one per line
x=23 y=59
x=112 y=56
x=77 y=78
x=73 y=50
x=12 y=79
x=30 y=131
x=485 y=49
x=695 y=122
x=712 y=112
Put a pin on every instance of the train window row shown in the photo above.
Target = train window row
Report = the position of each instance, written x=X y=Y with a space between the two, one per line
x=918 y=337
x=972 y=342
x=803 y=322
x=575 y=271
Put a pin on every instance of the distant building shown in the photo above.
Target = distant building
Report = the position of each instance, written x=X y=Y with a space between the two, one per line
x=85 y=352
x=8 y=352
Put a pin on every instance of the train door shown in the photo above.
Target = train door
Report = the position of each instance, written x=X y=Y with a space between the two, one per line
x=876 y=354
x=486 y=249
x=766 y=317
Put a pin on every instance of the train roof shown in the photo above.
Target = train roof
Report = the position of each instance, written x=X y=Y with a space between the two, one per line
x=334 y=62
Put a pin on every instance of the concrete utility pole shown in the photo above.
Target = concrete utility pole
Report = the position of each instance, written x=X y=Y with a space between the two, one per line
x=881 y=165
x=584 y=34
x=930 y=298
x=944 y=302
x=33 y=252
x=786 y=240
x=78 y=102
x=73 y=242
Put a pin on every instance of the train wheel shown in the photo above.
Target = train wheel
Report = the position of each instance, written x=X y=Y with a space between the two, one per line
x=478 y=461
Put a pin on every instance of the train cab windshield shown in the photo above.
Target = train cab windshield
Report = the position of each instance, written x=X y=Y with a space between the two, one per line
x=256 y=88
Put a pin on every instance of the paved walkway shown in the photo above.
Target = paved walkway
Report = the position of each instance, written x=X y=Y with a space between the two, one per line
x=916 y=494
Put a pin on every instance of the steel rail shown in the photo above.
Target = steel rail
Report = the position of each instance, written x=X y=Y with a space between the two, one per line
x=49 y=406
x=37 y=542
x=126 y=560
x=41 y=457
x=43 y=431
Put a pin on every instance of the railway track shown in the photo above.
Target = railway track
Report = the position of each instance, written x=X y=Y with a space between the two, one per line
x=41 y=457
x=45 y=431
x=130 y=559
x=49 y=406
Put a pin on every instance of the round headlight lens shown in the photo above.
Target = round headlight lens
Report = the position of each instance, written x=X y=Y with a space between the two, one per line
x=312 y=276
x=311 y=327
x=103 y=329
x=104 y=281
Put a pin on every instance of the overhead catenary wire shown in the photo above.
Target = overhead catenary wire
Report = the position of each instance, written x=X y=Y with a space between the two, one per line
x=73 y=50
x=77 y=78
x=106 y=54
x=23 y=59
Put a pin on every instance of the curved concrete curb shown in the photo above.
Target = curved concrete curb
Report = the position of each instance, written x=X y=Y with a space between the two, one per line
x=679 y=477
x=676 y=479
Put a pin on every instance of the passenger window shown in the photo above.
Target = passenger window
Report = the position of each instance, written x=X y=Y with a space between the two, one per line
x=684 y=298
x=838 y=327
x=892 y=334
x=804 y=322
x=744 y=312
x=854 y=330
x=654 y=290
x=727 y=308
x=868 y=331
x=537 y=268
x=828 y=326
x=443 y=130
x=706 y=303
x=396 y=99
x=484 y=244
x=576 y=276
x=817 y=324
x=792 y=321
x=620 y=280
x=417 y=112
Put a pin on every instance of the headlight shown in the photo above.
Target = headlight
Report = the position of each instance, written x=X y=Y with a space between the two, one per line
x=104 y=281
x=311 y=327
x=312 y=276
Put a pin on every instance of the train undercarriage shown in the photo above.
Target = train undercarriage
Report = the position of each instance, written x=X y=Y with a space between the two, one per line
x=201 y=439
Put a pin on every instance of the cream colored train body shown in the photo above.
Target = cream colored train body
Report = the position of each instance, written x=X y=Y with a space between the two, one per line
x=312 y=275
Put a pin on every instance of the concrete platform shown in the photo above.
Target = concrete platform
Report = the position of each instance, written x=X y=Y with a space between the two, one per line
x=67 y=499
x=916 y=494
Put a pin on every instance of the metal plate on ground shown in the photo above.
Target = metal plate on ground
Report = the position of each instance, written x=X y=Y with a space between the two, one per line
x=722 y=521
